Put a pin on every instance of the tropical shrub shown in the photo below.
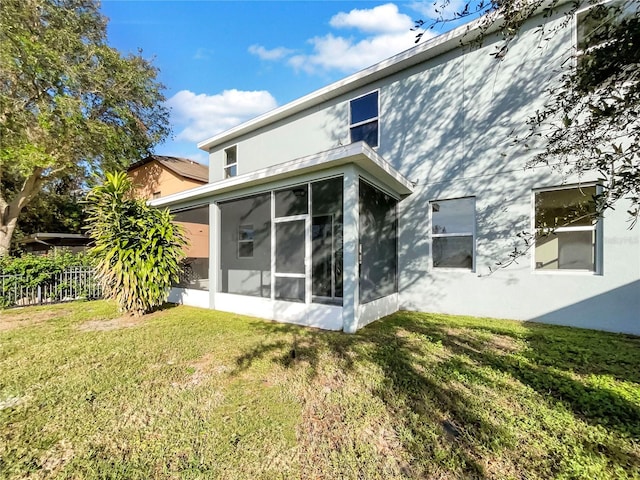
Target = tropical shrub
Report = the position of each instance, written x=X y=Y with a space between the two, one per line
x=137 y=248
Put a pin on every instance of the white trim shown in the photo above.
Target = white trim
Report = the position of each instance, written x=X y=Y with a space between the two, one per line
x=421 y=52
x=597 y=228
x=376 y=309
x=328 y=317
x=471 y=234
x=228 y=165
x=358 y=153
x=189 y=296
x=290 y=275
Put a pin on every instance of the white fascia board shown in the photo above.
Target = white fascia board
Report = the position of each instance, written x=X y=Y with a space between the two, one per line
x=406 y=59
x=424 y=51
x=358 y=153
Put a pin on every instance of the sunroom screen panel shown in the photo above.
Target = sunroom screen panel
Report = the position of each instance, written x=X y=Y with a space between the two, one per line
x=378 y=244
x=243 y=270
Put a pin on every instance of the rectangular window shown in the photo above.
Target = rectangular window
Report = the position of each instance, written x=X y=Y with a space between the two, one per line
x=452 y=233
x=245 y=241
x=566 y=233
x=596 y=25
x=230 y=162
x=155 y=195
x=363 y=119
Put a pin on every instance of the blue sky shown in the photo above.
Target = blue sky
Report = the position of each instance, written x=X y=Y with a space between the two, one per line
x=224 y=62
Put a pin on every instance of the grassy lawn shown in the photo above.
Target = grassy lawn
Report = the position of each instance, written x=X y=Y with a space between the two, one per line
x=190 y=393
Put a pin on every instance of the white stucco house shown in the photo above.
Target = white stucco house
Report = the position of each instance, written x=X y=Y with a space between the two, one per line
x=397 y=188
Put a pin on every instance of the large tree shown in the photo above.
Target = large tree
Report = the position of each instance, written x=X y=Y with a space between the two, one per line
x=69 y=103
x=591 y=122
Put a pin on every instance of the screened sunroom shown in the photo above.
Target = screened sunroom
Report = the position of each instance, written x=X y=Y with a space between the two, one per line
x=312 y=241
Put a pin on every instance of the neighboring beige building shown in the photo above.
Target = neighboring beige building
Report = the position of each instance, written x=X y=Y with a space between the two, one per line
x=158 y=176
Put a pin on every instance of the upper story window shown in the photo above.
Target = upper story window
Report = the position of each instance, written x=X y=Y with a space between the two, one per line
x=596 y=26
x=363 y=119
x=566 y=229
x=452 y=233
x=231 y=162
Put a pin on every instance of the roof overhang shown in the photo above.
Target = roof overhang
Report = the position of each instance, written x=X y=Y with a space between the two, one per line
x=359 y=154
x=42 y=237
x=464 y=34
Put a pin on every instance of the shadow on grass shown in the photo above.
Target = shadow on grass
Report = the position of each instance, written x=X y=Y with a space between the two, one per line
x=426 y=358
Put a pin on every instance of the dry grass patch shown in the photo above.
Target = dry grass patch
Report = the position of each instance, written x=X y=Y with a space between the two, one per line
x=27 y=316
x=126 y=321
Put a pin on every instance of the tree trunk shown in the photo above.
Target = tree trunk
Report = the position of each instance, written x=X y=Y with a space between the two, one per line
x=6 y=233
x=9 y=212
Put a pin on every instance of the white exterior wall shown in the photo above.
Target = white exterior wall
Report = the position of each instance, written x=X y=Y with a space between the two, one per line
x=445 y=125
x=314 y=131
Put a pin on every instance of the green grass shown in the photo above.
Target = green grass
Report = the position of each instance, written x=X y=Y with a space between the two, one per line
x=190 y=393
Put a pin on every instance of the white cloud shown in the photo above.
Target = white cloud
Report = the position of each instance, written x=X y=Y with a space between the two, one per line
x=380 y=32
x=199 y=116
x=273 y=54
x=203 y=54
x=347 y=55
x=381 y=19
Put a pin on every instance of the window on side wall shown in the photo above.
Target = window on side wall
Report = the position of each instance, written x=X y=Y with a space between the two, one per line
x=363 y=119
x=231 y=162
x=566 y=229
x=245 y=241
x=453 y=233
x=595 y=27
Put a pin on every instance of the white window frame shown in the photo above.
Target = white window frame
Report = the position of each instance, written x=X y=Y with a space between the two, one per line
x=227 y=166
x=471 y=234
x=597 y=228
x=245 y=226
x=579 y=52
x=369 y=120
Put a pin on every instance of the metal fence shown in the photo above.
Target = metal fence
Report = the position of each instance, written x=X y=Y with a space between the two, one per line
x=71 y=284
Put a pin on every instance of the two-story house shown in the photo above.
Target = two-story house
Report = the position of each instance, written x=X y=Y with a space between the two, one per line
x=398 y=188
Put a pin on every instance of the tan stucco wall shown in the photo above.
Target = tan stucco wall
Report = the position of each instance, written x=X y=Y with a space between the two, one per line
x=153 y=177
x=198 y=236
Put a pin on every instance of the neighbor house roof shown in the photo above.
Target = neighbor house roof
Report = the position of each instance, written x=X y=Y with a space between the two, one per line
x=358 y=153
x=180 y=166
x=54 y=238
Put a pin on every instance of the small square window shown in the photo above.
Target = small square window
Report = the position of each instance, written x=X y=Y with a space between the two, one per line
x=363 y=119
x=245 y=241
x=156 y=195
x=566 y=233
x=452 y=233
x=231 y=162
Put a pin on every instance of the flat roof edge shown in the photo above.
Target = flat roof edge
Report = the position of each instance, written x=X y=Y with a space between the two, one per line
x=412 y=56
x=358 y=153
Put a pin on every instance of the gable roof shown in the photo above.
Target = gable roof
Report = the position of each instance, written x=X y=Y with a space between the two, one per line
x=180 y=166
